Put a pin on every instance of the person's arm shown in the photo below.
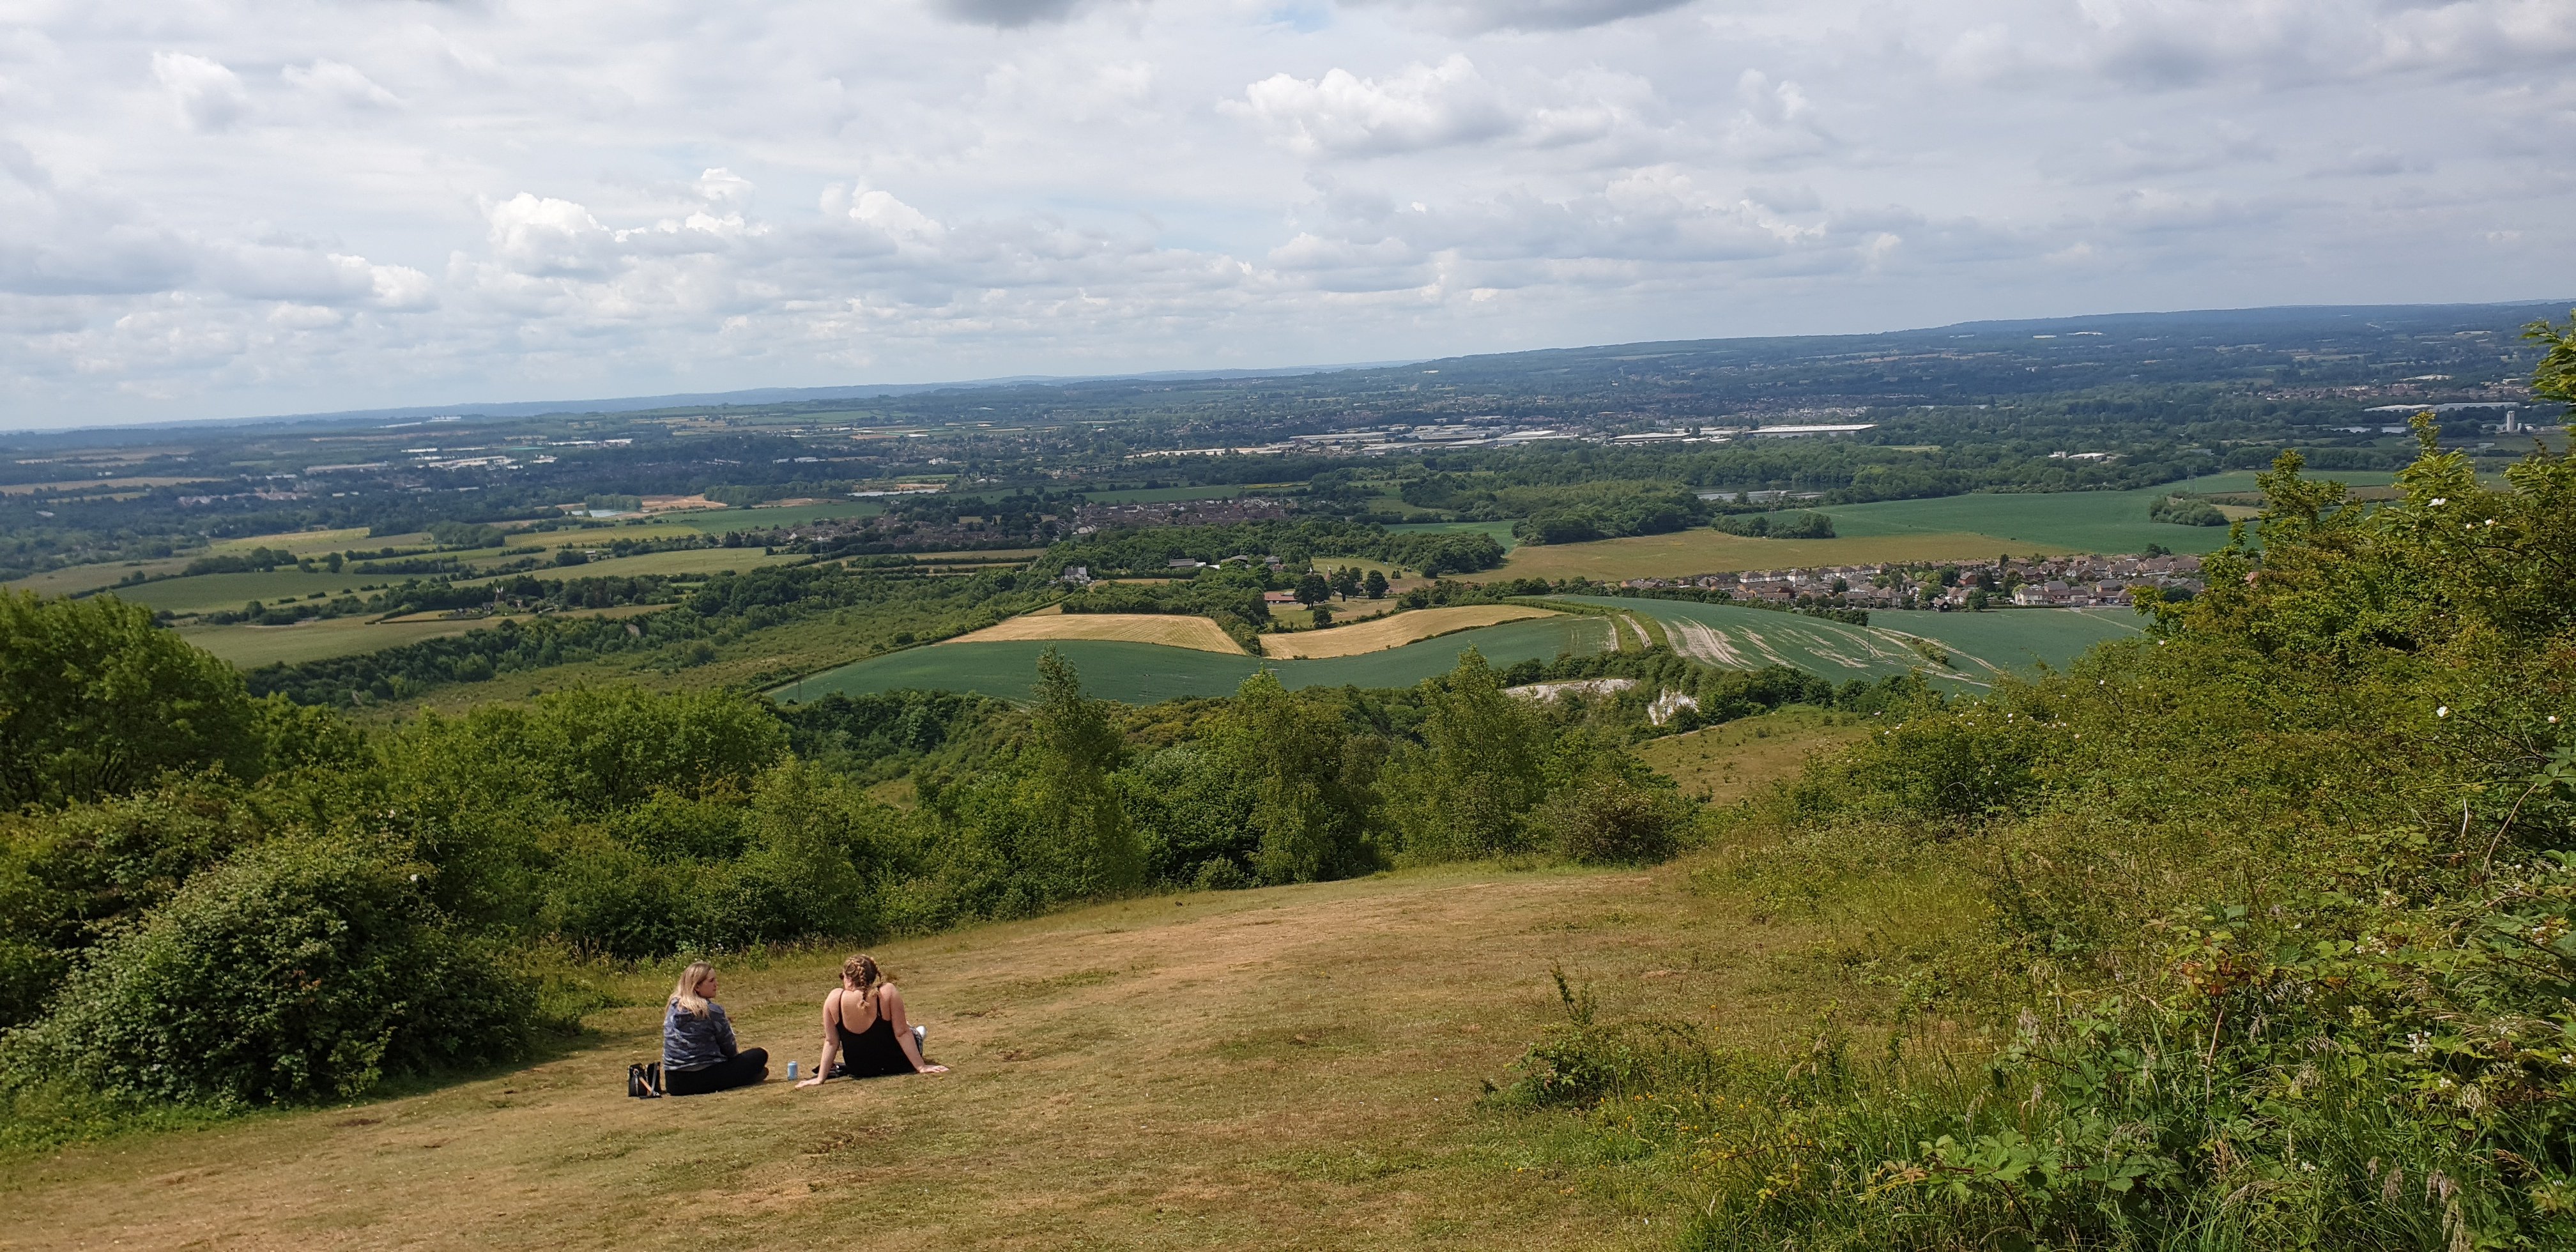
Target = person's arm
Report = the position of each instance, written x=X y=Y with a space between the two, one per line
x=831 y=1039
x=890 y=1003
x=724 y=1031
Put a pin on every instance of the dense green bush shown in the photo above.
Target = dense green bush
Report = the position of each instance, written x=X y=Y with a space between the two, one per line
x=1608 y=817
x=95 y=700
x=2182 y=510
x=297 y=970
x=1796 y=525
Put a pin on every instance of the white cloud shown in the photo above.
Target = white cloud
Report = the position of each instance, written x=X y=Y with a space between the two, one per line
x=1341 y=114
x=208 y=95
x=340 y=84
x=369 y=206
x=545 y=236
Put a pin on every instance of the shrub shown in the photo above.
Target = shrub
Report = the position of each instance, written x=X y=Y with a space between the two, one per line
x=1605 y=818
x=2181 y=510
x=299 y=970
x=1792 y=525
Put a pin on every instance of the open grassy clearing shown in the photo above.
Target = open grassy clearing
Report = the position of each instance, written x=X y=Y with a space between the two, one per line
x=1139 y=673
x=1740 y=759
x=1394 y=630
x=1269 y=1068
x=317 y=542
x=250 y=647
x=1167 y=629
x=1707 y=551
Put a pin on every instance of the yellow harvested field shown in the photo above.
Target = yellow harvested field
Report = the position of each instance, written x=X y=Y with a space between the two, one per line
x=1167 y=629
x=1705 y=551
x=1378 y=634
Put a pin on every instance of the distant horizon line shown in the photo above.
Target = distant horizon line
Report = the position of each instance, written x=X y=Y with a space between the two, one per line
x=864 y=391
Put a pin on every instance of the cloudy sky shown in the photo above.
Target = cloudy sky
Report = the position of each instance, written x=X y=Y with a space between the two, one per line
x=220 y=207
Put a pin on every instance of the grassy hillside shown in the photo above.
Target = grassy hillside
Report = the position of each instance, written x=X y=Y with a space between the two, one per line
x=1740 y=759
x=1263 y=1068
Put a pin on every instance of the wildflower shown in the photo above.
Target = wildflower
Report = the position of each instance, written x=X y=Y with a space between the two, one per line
x=2442 y=711
x=2439 y=501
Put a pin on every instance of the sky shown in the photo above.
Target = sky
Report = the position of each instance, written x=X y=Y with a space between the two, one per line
x=216 y=208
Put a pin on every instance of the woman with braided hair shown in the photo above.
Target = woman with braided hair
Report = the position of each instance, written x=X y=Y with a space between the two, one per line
x=864 y=1025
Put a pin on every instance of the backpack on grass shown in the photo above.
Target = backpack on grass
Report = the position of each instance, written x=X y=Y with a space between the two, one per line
x=644 y=1082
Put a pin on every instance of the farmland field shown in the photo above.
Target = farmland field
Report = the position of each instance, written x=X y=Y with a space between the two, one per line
x=2084 y=521
x=1707 y=551
x=1142 y=673
x=718 y=521
x=1978 y=647
x=72 y=580
x=1169 y=630
x=1394 y=630
x=201 y=593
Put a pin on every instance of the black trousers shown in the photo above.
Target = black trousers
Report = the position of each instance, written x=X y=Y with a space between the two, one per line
x=751 y=1065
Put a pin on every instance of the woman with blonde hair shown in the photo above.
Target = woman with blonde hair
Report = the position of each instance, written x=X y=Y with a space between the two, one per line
x=698 y=1052
x=863 y=1023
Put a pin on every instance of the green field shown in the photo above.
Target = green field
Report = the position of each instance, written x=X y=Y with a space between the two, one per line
x=202 y=593
x=1144 y=673
x=718 y=521
x=2084 y=521
x=1979 y=646
x=1501 y=531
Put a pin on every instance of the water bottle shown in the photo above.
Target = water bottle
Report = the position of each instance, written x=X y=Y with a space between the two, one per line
x=791 y=1071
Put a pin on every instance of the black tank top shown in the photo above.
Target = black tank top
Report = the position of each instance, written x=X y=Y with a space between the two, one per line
x=872 y=1052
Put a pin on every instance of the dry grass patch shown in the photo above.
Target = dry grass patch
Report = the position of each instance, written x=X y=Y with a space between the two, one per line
x=1724 y=764
x=1287 y=1068
x=1395 y=630
x=1170 y=630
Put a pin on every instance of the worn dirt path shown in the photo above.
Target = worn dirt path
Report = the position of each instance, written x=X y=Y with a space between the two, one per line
x=1287 y=1068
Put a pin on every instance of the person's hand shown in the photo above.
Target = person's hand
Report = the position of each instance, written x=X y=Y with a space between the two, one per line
x=815 y=1081
x=932 y=1069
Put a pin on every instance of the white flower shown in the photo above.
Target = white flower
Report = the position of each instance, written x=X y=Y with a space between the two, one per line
x=2439 y=501
x=2443 y=711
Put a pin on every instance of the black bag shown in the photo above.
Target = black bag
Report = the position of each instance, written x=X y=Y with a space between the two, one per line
x=644 y=1082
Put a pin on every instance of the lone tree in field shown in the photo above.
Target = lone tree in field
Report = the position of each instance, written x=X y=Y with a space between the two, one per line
x=1375 y=584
